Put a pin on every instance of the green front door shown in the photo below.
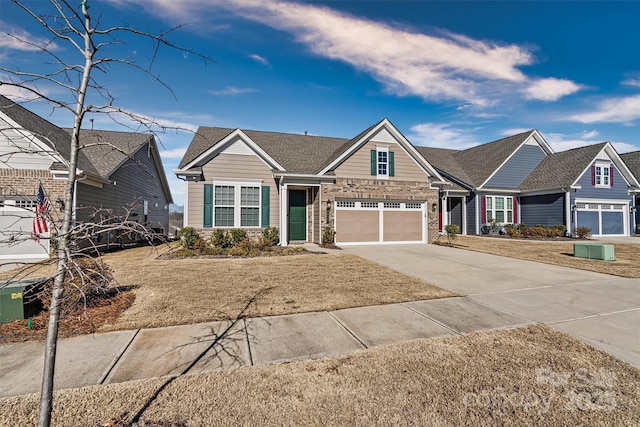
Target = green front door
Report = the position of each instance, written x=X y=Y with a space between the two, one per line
x=297 y=215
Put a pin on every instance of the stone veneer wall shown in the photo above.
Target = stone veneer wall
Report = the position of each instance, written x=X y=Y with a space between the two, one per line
x=393 y=190
x=23 y=184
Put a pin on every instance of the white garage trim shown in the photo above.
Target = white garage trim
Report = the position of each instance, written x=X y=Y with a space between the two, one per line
x=604 y=206
x=373 y=212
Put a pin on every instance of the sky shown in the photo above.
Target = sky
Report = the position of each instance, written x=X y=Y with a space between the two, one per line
x=450 y=74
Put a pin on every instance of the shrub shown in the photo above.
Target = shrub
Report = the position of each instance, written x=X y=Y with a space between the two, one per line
x=328 y=236
x=494 y=225
x=537 y=231
x=270 y=236
x=237 y=235
x=245 y=247
x=200 y=246
x=452 y=231
x=583 y=232
x=557 y=230
x=188 y=237
x=220 y=238
x=512 y=230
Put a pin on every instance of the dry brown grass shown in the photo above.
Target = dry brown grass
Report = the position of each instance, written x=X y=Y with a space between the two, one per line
x=533 y=376
x=180 y=291
x=627 y=263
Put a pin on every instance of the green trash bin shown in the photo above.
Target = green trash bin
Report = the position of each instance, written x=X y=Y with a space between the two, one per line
x=17 y=299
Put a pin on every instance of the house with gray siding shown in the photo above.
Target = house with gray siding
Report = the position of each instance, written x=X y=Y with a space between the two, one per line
x=632 y=160
x=119 y=174
x=521 y=180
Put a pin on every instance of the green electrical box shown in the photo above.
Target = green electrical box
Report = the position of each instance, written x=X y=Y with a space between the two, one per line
x=17 y=299
x=594 y=251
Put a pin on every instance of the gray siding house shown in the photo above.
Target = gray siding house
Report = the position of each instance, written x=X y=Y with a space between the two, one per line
x=521 y=180
x=632 y=160
x=119 y=174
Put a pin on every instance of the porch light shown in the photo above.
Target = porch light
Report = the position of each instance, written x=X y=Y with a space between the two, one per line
x=574 y=208
x=60 y=204
x=434 y=207
x=632 y=209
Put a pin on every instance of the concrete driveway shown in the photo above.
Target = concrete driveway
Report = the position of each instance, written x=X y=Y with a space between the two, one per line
x=599 y=309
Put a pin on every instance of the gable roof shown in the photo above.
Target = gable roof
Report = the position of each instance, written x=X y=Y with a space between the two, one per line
x=444 y=161
x=632 y=160
x=481 y=161
x=54 y=137
x=294 y=153
x=562 y=169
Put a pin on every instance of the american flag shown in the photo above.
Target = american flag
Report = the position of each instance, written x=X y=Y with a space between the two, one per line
x=42 y=210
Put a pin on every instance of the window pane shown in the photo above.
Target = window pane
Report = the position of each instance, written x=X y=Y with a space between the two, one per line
x=489 y=203
x=500 y=216
x=509 y=203
x=250 y=196
x=489 y=216
x=499 y=203
x=382 y=168
x=224 y=217
x=250 y=217
x=382 y=157
x=224 y=195
x=510 y=217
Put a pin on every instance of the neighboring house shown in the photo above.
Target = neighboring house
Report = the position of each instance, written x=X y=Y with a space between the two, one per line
x=520 y=180
x=118 y=173
x=372 y=189
x=632 y=160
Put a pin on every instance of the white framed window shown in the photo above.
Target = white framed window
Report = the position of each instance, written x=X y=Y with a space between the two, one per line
x=236 y=204
x=383 y=161
x=602 y=175
x=500 y=208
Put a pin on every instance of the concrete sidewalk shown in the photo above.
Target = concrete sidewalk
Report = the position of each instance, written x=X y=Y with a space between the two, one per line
x=188 y=349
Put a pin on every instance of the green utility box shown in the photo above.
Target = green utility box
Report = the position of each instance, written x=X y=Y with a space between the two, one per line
x=17 y=299
x=594 y=251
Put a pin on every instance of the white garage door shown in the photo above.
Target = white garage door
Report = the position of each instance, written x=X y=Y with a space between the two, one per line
x=372 y=222
x=604 y=219
x=16 y=244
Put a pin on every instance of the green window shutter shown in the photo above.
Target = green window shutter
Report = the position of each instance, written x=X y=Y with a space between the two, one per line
x=208 y=206
x=266 y=203
x=391 y=164
x=374 y=163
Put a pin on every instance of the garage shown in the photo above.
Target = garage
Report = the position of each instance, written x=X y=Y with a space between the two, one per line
x=603 y=218
x=374 y=222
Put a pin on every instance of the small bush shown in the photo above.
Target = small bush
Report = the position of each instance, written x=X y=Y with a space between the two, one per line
x=237 y=235
x=558 y=230
x=270 y=236
x=494 y=225
x=512 y=230
x=200 y=246
x=452 y=231
x=188 y=237
x=583 y=232
x=537 y=231
x=328 y=236
x=220 y=238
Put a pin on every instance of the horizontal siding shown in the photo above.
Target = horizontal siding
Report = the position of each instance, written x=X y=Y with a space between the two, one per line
x=471 y=214
x=358 y=165
x=17 y=152
x=134 y=182
x=546 y=209
x=517 y=168
x=231 y=166
x=455 y=207
x=618 y=191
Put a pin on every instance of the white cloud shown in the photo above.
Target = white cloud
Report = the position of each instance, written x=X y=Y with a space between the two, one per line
x=563 y=142
x=631 y=82
x=441 y=135
x=232 y=91
x=551 y=89
x=513 y=131
x=444 y=67
x=16 y=38
x=174 y=153
x=611 y=110
x=259 y=59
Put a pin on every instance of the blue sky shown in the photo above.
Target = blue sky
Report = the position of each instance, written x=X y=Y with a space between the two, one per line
x=447 y=73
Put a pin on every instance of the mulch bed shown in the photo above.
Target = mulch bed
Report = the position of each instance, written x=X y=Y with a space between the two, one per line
x=104 y=311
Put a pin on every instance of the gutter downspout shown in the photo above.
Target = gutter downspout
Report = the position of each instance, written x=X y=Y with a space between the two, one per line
x=567 y=211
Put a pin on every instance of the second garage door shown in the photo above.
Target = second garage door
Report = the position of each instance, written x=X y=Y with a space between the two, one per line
x=371 y=222
x=604 y=219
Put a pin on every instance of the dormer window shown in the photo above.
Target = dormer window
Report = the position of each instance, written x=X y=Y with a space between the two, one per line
x=383 y=162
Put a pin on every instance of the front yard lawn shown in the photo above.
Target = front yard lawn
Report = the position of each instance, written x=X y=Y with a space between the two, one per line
x=627 y=263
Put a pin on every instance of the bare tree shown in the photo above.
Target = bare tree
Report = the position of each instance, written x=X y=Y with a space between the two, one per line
x=72 y=25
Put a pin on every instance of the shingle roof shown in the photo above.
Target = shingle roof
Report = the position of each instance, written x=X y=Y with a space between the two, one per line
x=481 y=161
x=445 y=162
x=632 y=160
x=107 y=150
x=561 y=169
x=296 y=153
x=46 y=131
